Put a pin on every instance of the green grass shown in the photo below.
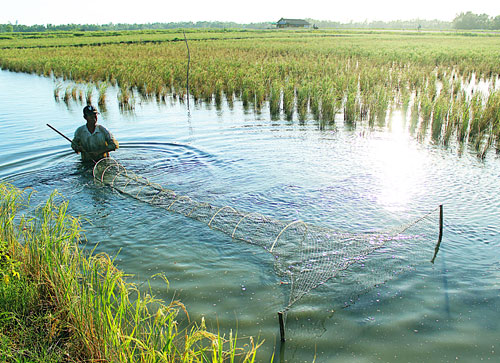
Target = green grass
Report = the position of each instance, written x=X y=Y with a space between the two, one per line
x=58 y=304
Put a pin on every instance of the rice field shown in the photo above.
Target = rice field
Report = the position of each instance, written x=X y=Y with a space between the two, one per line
x=445 y=85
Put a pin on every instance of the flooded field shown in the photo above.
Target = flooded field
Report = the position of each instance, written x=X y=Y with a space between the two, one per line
x=350 y=179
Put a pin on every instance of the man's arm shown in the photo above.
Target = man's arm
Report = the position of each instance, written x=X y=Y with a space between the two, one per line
x=111 y=143
x=75 y=144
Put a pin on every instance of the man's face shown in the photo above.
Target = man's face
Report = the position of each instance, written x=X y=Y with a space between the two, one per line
x=91 y=119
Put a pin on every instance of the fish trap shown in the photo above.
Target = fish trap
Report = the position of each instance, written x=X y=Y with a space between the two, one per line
x=305 y=256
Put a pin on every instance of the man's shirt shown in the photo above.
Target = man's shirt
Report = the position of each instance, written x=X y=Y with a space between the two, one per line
x=94 y=144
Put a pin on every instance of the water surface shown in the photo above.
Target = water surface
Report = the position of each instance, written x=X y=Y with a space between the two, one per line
x=351 y=180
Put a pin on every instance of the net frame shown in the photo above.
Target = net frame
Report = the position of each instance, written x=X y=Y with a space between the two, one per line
x=304 y=255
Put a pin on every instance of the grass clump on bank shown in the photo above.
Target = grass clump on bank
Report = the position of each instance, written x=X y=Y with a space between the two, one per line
x=57 y=304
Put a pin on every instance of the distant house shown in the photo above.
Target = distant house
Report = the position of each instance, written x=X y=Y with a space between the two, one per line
x=292 y=23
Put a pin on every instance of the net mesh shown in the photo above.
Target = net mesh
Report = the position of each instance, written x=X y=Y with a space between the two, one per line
x=305 y=256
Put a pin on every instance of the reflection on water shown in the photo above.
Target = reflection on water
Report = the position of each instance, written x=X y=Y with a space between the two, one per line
x=349 y=180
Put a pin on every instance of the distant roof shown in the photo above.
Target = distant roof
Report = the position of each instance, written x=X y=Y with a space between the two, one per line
x=293 y=21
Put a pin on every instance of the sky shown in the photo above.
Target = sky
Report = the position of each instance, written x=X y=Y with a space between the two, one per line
x=29 y=12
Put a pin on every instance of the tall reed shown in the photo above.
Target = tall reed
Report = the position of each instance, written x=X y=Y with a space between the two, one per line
x=475 y=122
x=89 y=93
x=125 y=97
x=57 y=89
x=103 y=87
x=67 y=94
x=289 y=101
x=275 y=100
x=415 y=115
x=371 y=71
x=330 y=106
x=463 y=125
x=90 y=311
x=350 y=107
x=439 y=115
x=303 y=93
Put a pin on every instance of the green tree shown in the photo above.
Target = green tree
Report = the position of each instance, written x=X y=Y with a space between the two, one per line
x=470 y=20
x=495 y=23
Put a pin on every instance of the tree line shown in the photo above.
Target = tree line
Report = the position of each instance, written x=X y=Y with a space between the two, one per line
x=470 y=20
x=463 y=21
x=395 y=24
x=6 y=28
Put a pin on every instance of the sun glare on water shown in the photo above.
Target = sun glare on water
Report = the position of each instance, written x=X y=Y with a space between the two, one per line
x=400 y=167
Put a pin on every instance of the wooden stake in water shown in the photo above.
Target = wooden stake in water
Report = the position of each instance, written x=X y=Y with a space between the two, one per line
x=282 y=325
x=440 y=237
x=187 y=75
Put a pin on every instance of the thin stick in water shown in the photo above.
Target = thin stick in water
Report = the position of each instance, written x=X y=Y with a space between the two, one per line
x=440 y=238
x=187 y=76
x=282 y=326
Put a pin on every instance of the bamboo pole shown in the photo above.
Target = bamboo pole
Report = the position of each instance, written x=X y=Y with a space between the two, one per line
x=187 y=75
x=60 y=133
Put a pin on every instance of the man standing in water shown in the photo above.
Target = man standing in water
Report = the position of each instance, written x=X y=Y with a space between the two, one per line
x=92 y=140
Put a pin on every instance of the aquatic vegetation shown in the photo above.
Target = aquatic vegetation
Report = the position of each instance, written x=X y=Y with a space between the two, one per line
x=67 y=94
x=57 y=89
x=329 y=106
x=298 y=75
x=463 y=124
x=439 y=116
x=89 y=94
x=60 y=304
x=74 y=92
x=125 y=98
x=303 y=93
x=415 y=115
x=275 y=100
x=350 y=105
x=289 y=101
x=103 y=87
x=475 y=121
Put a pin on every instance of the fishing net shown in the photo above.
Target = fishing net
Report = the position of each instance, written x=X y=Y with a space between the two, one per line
x=305 y=256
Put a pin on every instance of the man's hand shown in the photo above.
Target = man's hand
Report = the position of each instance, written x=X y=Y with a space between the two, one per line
x=76 y=147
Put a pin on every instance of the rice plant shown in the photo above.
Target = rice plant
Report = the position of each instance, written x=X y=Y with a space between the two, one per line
x=74 y=92
x=463 y=125
x=289 y=101
x=125 y=98
x=369 y=72
x=67 y=94
x=415 y=115
x=303 y=93
x=405 y=101
x=260 y=97
x=79 y=307
x=89 y=93
x=475 y=122
x=275 y=100
x=218 y=94
x=439 y=116
x=102 y=89
x=330 y=106
x=350 y=105
x=57 y=90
